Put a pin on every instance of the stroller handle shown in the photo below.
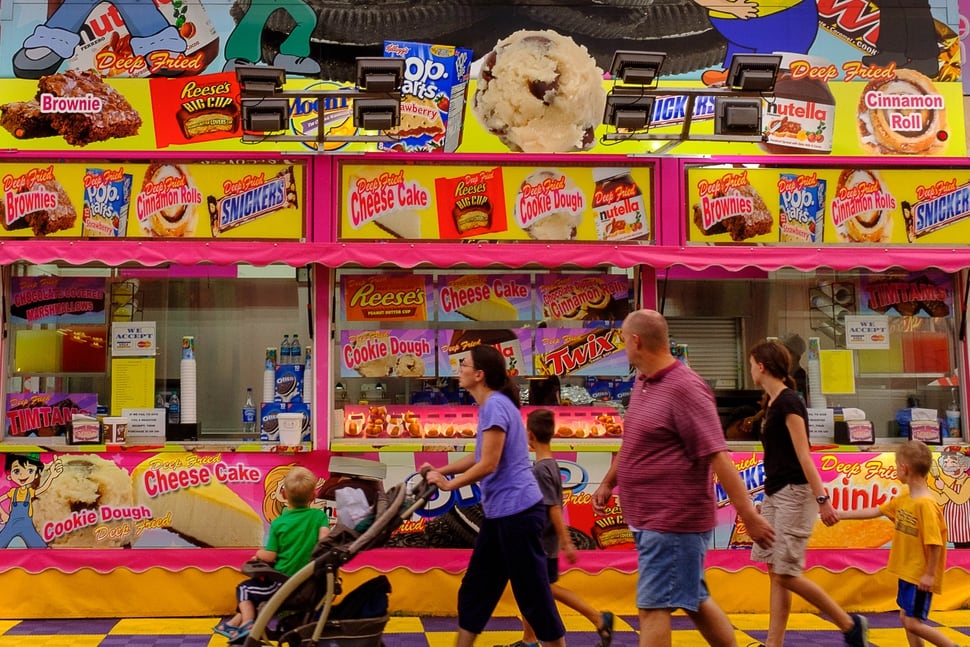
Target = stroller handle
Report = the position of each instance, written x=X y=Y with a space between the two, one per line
x=427 y=490
x=423 y=491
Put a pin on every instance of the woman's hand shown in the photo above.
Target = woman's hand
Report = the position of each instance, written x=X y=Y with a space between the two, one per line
x=438 y=479
x=828 y=514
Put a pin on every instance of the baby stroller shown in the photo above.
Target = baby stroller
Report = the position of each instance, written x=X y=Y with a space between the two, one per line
x=302 y=612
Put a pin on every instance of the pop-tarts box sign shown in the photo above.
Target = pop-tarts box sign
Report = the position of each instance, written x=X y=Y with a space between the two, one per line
x=133 y=339
x=433 y=96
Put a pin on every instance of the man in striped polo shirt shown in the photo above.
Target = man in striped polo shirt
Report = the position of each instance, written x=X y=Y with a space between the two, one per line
x=672 y=446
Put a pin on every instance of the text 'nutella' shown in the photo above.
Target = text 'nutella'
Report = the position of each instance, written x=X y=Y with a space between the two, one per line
x=801 y=116
x=618 y=204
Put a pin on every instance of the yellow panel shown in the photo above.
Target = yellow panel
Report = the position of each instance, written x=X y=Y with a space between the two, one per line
x=37 y=351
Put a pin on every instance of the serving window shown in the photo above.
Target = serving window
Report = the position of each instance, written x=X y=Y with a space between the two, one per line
x=872 y=347
x=398 y=338
x=102 y=340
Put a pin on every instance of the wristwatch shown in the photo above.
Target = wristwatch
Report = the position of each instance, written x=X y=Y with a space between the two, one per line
x=822 y=499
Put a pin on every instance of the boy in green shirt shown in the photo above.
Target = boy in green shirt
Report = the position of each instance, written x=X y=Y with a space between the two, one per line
x=292 y=537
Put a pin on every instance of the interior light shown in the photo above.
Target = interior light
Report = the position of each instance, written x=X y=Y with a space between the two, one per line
x=265 y=115
x=637 y=68
x=376 y=114
x=379 y=74
x=259 y=80
x=737 y=117
x=628 y=112
x=753 y=72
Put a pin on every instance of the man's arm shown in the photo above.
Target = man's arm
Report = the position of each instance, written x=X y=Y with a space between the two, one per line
x=759 y=529
x=602 y=495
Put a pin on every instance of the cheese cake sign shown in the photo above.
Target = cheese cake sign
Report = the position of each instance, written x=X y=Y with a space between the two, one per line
x=164 y=500
x=478 y=297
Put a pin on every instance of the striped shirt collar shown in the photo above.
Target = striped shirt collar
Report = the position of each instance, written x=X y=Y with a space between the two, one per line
x=659 y=375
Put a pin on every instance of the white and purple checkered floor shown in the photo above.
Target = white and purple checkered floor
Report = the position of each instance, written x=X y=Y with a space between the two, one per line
x=804 y=630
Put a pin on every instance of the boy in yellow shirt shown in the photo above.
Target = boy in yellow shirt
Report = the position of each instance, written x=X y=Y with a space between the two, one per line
x=918 y=552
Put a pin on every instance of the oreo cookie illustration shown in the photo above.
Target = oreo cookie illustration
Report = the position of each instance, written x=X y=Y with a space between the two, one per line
x=286 y=386
x=346 y=29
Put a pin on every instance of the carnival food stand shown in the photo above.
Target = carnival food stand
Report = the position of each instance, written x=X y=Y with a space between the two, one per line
x=157 y=248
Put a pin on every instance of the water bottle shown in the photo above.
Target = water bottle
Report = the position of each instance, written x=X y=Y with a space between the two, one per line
x=953 y=416
x=296 y=351
x=174 y=409
x=160 y=402
x=284 y=350
x=249 y=415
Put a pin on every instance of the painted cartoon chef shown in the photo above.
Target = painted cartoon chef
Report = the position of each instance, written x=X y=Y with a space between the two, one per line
x=24 y=471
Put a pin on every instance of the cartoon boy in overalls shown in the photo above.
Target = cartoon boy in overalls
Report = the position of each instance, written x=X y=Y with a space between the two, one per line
x=24 y=470
x=243 y=46
x=45 y=49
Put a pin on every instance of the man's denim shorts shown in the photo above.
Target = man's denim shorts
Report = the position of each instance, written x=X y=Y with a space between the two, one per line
x=671 y=566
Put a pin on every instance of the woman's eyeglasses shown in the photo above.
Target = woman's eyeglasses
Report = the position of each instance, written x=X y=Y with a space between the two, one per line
x=463 y=363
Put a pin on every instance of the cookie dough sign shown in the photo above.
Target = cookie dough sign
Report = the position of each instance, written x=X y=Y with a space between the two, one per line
x=386 y=353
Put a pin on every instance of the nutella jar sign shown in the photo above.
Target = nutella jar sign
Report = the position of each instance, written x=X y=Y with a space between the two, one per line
x=800 y=118
x=618 y=204
x=186 y=46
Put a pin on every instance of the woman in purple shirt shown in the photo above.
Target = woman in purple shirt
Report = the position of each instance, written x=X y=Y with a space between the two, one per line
x=508 y=547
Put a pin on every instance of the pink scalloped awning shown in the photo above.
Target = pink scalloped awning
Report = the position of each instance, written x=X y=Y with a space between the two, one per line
x=481 y=255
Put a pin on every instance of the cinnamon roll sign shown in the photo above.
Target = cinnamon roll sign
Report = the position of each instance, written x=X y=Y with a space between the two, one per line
x=862 y=207
x=903 y=114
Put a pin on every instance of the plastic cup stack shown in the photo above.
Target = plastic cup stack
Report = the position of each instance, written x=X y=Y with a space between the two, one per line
x=187 y=397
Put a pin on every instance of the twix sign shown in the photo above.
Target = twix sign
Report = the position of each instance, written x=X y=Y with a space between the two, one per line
x=380 y=297
x=854 y=21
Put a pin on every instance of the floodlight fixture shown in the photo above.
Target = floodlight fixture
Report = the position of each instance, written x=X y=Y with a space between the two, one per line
x=628 y=112
x=376 y=114
x=259 y=80
x=753 y=72
x=738 y=118
x=636 y=68
x=379 y=74
x=267 y=115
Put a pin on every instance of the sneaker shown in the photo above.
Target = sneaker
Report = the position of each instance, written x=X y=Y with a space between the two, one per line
x=519 y=643
x=858 y=636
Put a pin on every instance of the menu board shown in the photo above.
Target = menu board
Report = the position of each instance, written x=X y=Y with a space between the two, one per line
x=484 y=297
x=514 y=344
x=829 y=205
x=385 y=297
x=580 y=351
x=387 y=353
x=435 y=201
x=160 y=199
x=584 y=297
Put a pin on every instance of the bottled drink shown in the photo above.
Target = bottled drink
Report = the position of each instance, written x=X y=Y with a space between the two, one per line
x=296 y=351
x=249 y=415
x=953 y=416
x=160 y=402
x=174 y=409
x=284 y=350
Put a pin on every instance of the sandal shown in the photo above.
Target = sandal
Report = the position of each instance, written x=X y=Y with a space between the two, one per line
x=225 y=629
x=606 y=631
x=241 y=632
